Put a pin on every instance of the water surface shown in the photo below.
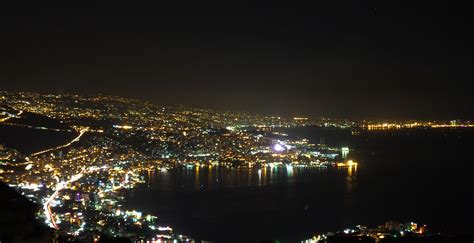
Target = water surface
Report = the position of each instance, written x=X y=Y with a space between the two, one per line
x=407 y=175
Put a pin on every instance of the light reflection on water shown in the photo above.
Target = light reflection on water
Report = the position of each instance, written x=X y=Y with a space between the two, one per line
x=223 y=198
x=394 y=181
x=215 y=177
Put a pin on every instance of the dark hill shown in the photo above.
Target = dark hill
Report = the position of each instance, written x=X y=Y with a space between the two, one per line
x=17 y=221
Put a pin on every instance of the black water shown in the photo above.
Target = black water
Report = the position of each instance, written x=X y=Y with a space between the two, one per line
x=419 y=175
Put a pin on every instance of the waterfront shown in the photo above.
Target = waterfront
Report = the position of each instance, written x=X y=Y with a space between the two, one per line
x=420 y=175
x=116 y=167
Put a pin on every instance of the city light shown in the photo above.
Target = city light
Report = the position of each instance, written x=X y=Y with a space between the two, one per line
x=278 y=147
x=82 y=183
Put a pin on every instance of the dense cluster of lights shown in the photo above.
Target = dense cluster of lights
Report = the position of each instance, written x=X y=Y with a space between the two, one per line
x=417 y=124
x=81 y=183
x=114 y=141
x=390 y=229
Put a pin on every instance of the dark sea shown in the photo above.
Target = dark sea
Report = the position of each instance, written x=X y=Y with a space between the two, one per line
x=420 y=175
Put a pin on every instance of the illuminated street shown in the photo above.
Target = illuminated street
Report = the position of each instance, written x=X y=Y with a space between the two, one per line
x=81 y=132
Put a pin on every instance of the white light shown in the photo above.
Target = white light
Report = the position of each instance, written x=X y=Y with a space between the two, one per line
x=278 y=147
x=167 y=228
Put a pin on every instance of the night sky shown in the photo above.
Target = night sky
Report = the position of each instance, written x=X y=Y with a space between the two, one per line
x=351 y=59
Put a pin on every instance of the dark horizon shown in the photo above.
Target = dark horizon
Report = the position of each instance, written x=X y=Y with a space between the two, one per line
x=343 y=60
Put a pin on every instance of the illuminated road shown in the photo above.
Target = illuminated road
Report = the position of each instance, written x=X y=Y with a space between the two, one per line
x=8 y=118
x=59 y=187
x=81 y=132
x=47 y=204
